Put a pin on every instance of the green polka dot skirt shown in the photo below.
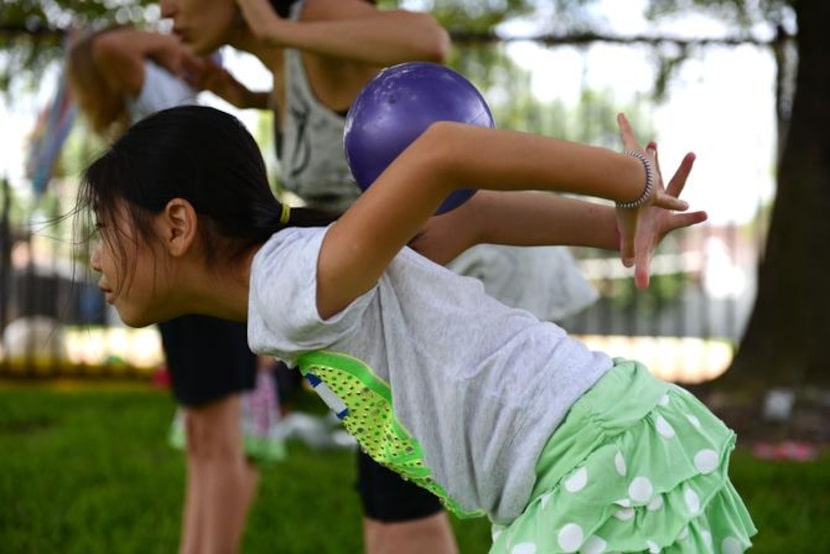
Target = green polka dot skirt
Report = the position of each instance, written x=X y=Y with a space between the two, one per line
x=638 y=465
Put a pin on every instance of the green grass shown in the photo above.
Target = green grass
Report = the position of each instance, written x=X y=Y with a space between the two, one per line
x=89 y=471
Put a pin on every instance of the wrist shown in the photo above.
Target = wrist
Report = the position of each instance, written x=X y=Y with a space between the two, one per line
x=648 y=187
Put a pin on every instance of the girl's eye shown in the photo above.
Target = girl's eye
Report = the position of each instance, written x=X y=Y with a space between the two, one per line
x=97 y=230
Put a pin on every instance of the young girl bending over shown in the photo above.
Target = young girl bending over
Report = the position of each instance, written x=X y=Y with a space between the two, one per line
x=498 y=413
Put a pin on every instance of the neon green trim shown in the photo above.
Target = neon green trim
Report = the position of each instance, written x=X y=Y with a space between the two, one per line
x=350 y=364
x=371 y=420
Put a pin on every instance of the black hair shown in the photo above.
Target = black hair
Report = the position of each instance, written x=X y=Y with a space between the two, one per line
x=202 y=155
x=283 y=7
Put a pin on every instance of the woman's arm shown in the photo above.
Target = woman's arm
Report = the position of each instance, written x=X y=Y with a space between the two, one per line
x=351 y=29
x=204 y=73
x=360 y=245
x=120 y=55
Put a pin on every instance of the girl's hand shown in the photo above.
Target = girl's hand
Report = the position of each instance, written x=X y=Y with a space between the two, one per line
x=262 y=20
x=641 y=229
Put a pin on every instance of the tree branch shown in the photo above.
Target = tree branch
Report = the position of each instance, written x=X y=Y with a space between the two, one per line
x=473 y=37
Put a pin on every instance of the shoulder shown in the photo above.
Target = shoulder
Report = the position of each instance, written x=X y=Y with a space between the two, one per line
x=289 y=249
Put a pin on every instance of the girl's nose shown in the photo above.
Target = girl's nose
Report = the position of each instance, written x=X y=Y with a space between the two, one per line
x=95 y=258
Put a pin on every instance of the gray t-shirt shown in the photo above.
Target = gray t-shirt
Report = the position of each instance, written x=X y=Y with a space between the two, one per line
x=479 y=385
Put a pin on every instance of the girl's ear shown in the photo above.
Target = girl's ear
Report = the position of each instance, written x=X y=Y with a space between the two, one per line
x=179 y=226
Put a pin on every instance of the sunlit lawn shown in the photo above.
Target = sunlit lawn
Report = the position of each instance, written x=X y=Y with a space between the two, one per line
x=89 y=471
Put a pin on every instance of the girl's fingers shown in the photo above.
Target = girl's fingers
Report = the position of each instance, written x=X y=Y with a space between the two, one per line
x=651 y=149
x=627 y=252
x=678 y=180
x=669 y=202
x=685 y=220
x=626 y=133
x=642 y=274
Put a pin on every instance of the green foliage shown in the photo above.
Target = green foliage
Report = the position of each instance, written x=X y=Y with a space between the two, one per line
x=738 y=12
x=32 y=31
x=31 y=37
x=474 y=15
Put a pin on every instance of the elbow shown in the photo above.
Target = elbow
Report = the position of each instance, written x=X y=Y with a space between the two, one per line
x=436 y=40
x=440 y=51
x=260 y=33
x=437 y=151
x=106 y=48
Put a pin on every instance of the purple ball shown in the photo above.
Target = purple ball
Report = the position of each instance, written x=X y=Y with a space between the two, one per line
x=397 y=106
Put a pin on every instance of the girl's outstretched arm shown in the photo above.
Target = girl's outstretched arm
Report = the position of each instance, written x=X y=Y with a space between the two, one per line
x=525 y=218
x=531 y=218
x=449 y=156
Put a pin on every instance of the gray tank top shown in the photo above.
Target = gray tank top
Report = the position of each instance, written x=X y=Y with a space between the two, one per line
x=310 y=143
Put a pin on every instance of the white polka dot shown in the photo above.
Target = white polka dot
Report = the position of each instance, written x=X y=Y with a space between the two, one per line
x=663 y=427
x=625 y=514
x=577 y=481
x=570 y=537
x=693 y=420
x=684 y=533
x=731 y=545
x=653 y=547
x=655 y=504
x=624 y=502
x=707 y=538
x=544 y=499
x=619 y=463
x=665 y=400
x=640 y=489
x=706 y=460
x=594 y=545
x=524 y=548
x=692 y=500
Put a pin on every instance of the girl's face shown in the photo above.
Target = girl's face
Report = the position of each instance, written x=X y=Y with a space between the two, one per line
x=134 y=275
x=202 y=25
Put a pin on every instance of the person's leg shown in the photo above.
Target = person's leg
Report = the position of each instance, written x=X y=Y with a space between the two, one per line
x=210 y=367
x=192 y=522
x=221 y=483
x=400 y=517
x=431 y=534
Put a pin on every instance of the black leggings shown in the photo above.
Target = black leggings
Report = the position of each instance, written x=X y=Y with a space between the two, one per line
x=386 y=497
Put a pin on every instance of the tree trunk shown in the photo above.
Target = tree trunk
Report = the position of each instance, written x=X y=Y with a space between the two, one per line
x=787 y=338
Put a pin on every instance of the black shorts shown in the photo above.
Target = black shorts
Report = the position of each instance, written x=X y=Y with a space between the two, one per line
x=388 y=498
x=208 y=358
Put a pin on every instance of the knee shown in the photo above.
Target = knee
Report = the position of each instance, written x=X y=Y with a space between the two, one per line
x=209 y=437
x=428 y=534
